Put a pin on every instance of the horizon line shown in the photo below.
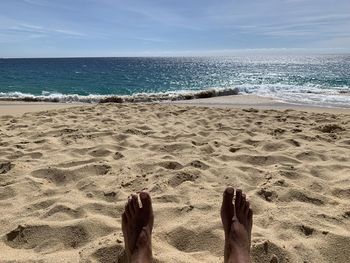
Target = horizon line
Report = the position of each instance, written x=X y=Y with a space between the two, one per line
x=172 y=56
x=206 y=53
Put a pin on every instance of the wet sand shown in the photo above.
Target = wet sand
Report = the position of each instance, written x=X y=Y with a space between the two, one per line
x=17 y=108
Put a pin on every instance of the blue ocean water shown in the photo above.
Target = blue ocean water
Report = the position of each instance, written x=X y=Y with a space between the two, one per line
x=314 y=79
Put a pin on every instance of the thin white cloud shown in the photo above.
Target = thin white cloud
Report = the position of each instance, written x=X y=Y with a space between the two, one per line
x=317 y=25
x=151 y=39
x=19 y=30
x=158 y=13
x=36 y=2
x=68 y=32
x=30 y=26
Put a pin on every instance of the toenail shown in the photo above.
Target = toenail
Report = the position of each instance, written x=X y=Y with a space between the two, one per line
x=143 y=195
x=229 y=190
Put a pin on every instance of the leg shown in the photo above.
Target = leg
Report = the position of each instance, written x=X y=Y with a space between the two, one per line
x=137 y=225
x=237 y=220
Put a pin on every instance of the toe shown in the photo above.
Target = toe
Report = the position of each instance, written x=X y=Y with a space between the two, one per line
x=246 y=209
x=227 y=208
x=135 y=203
x=147 y=210
x=124 y=219
x=227 y=199
x=240 y=209
x=243 y=201
x=250 y=224
x=146 y=202
x=250 y=219
x=238 y=201
x=130 y=207
x=127 y=211
x=242 y=206
x=238 y=198
x=227 y=205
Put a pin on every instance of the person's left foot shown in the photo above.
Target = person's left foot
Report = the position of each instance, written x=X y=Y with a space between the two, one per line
x=137 y=225
x=237 y=220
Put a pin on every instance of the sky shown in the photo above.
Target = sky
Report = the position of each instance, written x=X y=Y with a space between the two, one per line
x=80 y=28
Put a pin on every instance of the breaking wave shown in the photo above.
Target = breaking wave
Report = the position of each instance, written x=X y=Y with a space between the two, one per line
x=308 y=94
x=138 y=97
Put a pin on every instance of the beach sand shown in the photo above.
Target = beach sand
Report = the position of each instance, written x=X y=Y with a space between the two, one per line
x=17 y=108
x=65 y=175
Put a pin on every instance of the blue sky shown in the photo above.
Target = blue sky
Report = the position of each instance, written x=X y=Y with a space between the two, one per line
x=56 y=28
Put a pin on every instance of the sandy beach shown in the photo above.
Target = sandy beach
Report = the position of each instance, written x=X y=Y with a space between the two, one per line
x=65 y=175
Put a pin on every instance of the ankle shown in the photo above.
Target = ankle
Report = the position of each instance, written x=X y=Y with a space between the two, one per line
x=143 y=255
x=239 y=258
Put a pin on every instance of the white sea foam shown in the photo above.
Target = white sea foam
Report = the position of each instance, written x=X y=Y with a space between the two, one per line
x=138 y=97
x=308 y=94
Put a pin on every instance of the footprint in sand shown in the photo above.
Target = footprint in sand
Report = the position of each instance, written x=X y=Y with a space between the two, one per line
x=182 y=177
x=307 y=231
x=171 y=165
x=44 y=237
x=190 y=241
x=199 y=164
x=64 y=176
x=330 y=128
x=38 y=236
x=62 y=212
x=100 y=152
x=110 y=254
x=296 y=195
x=269 y=252
x=6 y=166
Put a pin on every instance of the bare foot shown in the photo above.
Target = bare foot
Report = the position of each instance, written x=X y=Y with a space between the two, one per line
x=137 y=225
x=237 y=220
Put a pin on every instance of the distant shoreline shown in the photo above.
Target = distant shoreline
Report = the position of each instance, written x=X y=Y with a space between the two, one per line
x=258 y=102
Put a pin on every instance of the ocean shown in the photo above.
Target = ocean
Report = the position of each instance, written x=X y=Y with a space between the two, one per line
x=322 y=80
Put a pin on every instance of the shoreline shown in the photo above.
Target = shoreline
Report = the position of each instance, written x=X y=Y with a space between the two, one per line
x=257 y=102
x=17 y=108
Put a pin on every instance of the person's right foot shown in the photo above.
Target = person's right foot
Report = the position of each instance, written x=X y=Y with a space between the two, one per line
x=237 y=220
x=137 y=224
